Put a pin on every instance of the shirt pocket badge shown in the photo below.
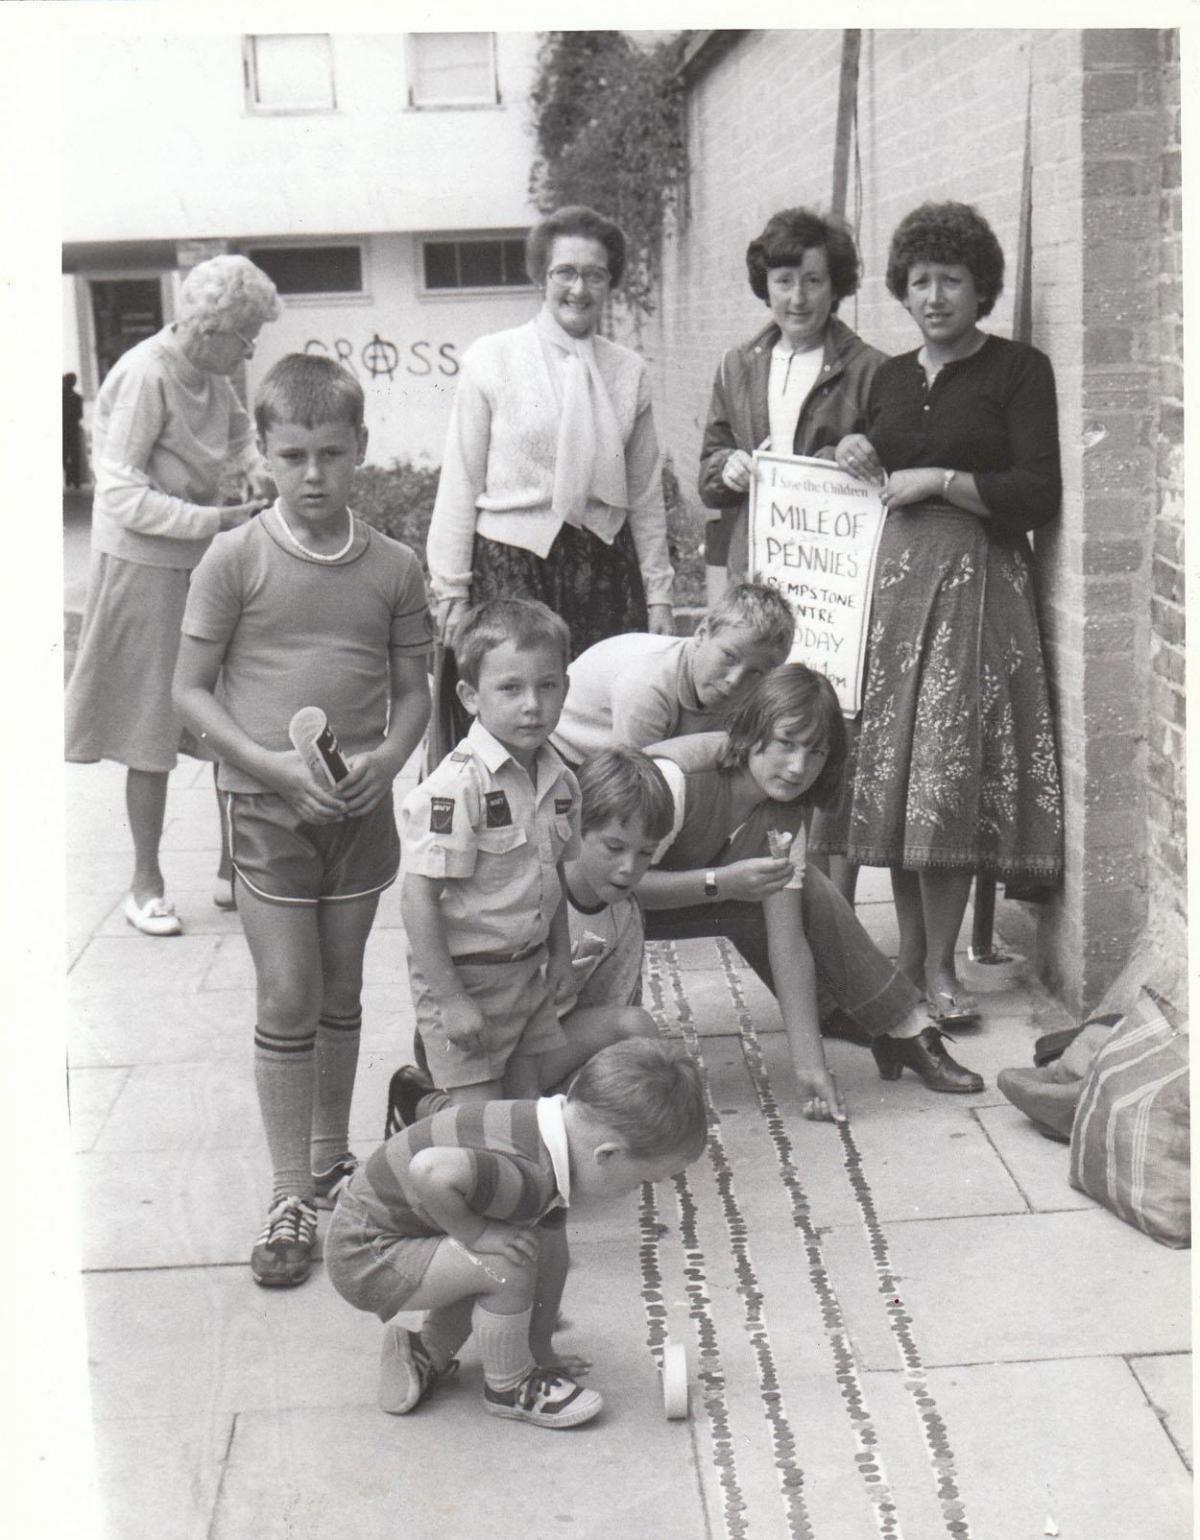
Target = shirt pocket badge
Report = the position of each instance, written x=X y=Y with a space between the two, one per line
x=497 y=813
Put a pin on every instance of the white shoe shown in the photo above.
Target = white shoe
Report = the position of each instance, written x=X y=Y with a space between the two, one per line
x=156 y=917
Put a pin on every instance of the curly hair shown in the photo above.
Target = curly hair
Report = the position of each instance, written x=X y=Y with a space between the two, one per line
x=227 y=292
x=792 y=694
x=788 y=234
x=574 y=219
x=952 y=233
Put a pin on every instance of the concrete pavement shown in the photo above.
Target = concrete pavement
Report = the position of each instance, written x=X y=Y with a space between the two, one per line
x=913 y=1328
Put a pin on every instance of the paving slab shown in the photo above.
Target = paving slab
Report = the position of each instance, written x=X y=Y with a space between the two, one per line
x=152 y=962
x=173 y=1342
x=170 y=1208
x=159 y=1476
x=1038 y=1165
x=349 y=1469
x=128 y=1024
x=1166 y=1379
x=1070 y=1441
x=1016 y=1287
x=91 y=1095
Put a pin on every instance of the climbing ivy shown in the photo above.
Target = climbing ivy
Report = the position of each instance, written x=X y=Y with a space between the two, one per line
x=609 y=119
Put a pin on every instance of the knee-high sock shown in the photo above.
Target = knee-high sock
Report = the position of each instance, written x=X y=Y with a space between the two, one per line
x=337 y=1060
x=283 y=1075
x=503 y=1346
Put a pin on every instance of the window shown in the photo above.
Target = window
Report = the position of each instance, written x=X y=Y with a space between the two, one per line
x=497 y=263
x=311 y=269
x=452 y=69
x=288 y=72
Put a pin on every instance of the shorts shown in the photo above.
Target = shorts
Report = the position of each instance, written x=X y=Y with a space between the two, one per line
x=375 y=1272
x=283 y=860
x=520 y=1017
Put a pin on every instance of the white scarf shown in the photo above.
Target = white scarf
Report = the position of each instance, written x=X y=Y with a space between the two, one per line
x=589 y=457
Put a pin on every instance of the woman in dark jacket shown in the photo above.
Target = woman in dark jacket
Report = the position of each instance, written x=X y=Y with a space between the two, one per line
x=798 y=387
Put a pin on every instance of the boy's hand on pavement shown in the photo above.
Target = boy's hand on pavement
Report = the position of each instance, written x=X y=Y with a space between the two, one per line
x=820 y=1099
x=513 y=1242
x=366 y=786
x=310 y=799
x=749 y=882
x=546 y=1356
x=463 y=1024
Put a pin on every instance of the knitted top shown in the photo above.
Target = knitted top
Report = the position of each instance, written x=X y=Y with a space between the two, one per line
x=497 y=476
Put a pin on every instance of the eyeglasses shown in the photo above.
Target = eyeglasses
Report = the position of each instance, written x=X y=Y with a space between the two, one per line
x=248 y=344
x=593 y=277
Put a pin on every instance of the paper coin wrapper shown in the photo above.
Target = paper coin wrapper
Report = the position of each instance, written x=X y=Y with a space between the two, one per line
x=675 y=1380
x=313 y=739
x=675 y=1390
x=587 y=949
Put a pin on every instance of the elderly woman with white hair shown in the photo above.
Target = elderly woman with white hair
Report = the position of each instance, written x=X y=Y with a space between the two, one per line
x=167 y=423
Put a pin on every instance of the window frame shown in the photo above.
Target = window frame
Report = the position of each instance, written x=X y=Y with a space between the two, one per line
x=256 y=109
x=363 y=296
x=469 y=238
x=451 y=104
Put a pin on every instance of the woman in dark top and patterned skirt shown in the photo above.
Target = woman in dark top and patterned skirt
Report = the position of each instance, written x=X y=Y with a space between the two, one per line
x=956 y=766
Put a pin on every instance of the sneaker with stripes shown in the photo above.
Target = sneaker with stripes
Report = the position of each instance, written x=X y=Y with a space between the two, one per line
x=406 y=1371
x=545 y=1397
x=283 y=1254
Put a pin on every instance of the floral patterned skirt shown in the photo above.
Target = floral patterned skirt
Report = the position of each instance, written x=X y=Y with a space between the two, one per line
x=955 y=762
x=596 y=588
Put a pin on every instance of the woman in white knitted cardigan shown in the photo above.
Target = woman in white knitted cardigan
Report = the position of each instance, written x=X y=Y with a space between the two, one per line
x=551 y=484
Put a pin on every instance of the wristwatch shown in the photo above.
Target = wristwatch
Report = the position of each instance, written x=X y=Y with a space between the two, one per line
x=946 y=480
x=710 y=884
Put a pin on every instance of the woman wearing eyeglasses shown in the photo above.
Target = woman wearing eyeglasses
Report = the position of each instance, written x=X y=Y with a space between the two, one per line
x=551 y=484
x=166 y=424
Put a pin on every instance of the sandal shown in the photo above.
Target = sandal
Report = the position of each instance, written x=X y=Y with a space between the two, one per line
x=156 y=917
x=946 y=1007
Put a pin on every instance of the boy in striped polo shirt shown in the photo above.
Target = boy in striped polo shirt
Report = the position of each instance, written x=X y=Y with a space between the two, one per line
x=448 y=1210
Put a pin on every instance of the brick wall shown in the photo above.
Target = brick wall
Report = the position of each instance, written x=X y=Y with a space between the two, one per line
x=943 y=114
x=1166 y=767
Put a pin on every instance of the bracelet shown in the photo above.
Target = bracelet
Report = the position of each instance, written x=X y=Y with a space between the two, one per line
x=946 y=480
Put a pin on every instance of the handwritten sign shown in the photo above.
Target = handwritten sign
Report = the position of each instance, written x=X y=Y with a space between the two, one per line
x=814 y=532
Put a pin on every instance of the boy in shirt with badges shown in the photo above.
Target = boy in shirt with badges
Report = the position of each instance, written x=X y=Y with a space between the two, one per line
x=484 y=839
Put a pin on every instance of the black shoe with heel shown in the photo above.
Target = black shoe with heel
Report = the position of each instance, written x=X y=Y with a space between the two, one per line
x=926 y=1056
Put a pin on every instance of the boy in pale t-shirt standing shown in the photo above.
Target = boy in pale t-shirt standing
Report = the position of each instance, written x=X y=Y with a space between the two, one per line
x=307 y=606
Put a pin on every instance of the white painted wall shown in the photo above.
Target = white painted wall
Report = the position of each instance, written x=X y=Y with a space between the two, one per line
x=162 y=146
x=422 y=337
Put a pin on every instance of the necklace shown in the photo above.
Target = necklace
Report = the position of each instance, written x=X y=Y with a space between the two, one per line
x=316 y=555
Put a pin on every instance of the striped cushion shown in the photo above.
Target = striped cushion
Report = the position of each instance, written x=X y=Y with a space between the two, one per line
x=1130 y=1138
